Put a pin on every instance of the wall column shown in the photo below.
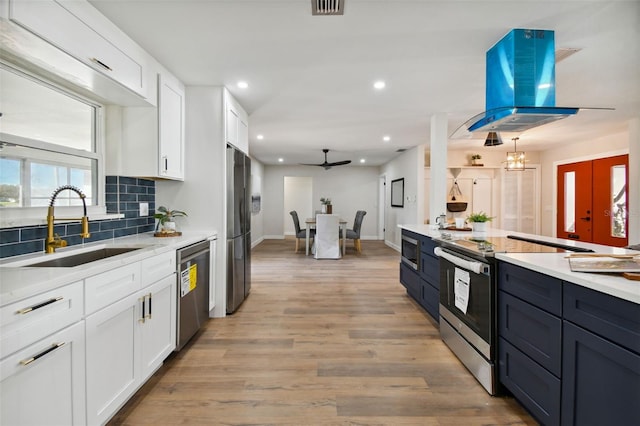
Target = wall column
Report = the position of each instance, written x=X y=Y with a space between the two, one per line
x=438 y=172
x=633 y=185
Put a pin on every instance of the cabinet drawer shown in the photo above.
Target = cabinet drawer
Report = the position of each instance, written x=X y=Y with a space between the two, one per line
x=46 y=18
x=104 y=289
x=25 y=322
x=616 y=319
x=601 y=380
x=430 y=270
x=533 y=386
x=534 y=331
x=411 y=280
x=427 y=245
x=157 y=267
x=540 y=290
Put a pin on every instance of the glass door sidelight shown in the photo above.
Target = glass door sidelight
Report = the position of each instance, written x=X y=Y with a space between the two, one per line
x=574 y=218
x=593 y=200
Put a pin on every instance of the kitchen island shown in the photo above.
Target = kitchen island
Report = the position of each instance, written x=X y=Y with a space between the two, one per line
x=552 y=264
x=568 y=343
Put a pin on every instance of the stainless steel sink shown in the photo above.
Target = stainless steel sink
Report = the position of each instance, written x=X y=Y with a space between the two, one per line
x=85 y=257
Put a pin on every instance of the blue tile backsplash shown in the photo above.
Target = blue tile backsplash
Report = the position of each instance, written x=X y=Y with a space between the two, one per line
x=122 y=195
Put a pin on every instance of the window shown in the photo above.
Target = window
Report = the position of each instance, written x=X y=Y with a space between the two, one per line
x=48 y=138
x=619 y=201
x=570 y=202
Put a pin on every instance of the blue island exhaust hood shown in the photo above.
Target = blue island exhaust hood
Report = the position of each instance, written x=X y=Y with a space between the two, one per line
x=520 y=84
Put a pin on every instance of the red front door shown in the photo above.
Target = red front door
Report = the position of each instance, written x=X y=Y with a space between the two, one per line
x=611 y=200
x=593 y=200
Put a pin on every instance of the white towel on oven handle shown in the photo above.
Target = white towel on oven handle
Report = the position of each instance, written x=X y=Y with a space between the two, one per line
x=476 y=267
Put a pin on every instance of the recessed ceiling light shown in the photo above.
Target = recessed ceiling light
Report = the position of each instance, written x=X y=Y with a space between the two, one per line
x=362 y=160
x=379 y=85
x=243 y=84
x=280 y=160
x=260 y=137
x=386 y=138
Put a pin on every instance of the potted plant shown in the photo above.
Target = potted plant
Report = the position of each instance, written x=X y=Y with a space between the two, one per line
x=326 y=205
x=479 y=221
x=475 y=159
x=166 y=223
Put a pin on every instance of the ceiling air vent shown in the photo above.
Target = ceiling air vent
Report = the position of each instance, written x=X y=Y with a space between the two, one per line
x=401 y=149
x=327 y=7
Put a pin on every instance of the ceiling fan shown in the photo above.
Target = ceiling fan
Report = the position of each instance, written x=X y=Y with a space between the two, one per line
x=326 y=164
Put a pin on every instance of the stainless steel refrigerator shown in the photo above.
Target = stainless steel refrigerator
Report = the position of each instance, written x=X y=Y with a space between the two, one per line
x=238 y=227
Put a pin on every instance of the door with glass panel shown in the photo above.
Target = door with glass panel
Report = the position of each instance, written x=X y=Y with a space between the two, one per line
x=593 y=200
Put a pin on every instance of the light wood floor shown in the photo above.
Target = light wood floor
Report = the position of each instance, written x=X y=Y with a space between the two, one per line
x=319 y=342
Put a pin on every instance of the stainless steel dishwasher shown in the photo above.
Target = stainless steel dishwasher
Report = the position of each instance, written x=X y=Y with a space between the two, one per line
x=193 y=290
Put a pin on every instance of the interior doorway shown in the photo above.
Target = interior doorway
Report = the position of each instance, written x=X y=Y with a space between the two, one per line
x=298 y=192
x=382 y=202
x=593 y=199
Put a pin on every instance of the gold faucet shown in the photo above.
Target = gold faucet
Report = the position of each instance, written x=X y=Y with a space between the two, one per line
x=54 y=241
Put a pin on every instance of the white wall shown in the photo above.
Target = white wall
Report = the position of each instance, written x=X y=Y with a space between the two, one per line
x=257 y=188
x=202 y=194
x=407 y=165
x=351 y=188
x=298 y=196
x=491 y=156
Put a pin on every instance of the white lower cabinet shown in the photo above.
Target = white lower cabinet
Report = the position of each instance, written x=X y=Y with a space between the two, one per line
x=113 y=347
x=74 y=355
x=44 y=383
x=158 y=332
x=126 y=342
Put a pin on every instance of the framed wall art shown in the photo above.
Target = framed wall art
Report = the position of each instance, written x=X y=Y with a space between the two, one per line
x=397 y=193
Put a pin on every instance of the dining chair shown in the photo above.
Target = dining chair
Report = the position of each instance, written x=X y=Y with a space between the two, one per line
x=300 y=233
x=326 y=240
x=354 y=234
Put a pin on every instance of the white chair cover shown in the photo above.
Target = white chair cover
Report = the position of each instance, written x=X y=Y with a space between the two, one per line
x=327 y=241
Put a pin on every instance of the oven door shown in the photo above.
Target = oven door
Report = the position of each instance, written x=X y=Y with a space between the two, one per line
x=474 y=318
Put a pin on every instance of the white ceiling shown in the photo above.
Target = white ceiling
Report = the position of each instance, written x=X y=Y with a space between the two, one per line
x=310 y=77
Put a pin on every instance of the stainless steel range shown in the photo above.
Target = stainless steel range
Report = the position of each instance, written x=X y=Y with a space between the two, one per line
x=468 y=297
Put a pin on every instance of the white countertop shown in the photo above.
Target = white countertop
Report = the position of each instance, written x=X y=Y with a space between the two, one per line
x=552 y=264
x=19 y=282
x=557 y=265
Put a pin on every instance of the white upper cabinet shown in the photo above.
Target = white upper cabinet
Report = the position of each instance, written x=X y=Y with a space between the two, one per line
x=149 y=142
x=236 y=123
x=231 y=129
x=80 y=31
x=171 y=127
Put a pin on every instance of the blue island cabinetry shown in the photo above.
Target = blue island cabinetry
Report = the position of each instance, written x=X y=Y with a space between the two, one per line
x=569 y=354
x=423 y=283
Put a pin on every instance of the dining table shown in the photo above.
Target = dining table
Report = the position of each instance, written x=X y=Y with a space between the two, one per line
x=311 y=223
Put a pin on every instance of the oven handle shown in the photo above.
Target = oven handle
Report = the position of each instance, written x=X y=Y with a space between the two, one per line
x=477 y=267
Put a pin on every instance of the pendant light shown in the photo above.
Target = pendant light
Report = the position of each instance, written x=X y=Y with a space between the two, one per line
x=515 y=159
x=493 y=139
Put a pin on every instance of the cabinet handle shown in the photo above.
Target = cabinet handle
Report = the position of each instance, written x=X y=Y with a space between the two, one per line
x=52 y=348
x=149 y=315
x=166 y=163
x=39 y=305
x=142 y=299
x=102 y=64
